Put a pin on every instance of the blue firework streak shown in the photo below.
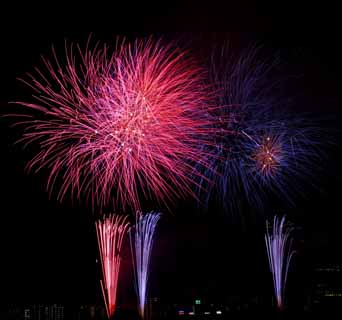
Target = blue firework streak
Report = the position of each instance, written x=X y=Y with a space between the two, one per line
x=279 y=253
x=141 y=248
x=269 y=150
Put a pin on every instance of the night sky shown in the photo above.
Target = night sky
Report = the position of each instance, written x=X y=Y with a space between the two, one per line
x=48 y=249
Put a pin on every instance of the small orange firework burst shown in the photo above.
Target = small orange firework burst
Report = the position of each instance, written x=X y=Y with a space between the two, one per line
x=268 y=155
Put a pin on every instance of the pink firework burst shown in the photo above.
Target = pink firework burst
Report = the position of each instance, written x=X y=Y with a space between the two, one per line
x=110 y=233
x=115 y=126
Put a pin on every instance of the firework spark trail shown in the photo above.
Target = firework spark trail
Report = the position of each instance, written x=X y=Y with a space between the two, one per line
x=279 y=251
x=113 y=125
x=110 y=233
x=141 y=248
x=270 y=149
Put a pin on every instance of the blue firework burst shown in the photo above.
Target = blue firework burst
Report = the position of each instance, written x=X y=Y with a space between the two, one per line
x=269 y=149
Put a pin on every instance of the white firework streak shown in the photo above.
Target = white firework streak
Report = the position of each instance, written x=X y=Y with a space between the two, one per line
x=279 y=251
x=141 y=248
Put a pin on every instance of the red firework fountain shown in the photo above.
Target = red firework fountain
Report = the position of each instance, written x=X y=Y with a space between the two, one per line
x=110 y=233
x=113 y=125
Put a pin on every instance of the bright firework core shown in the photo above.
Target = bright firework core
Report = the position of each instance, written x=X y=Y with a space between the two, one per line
x=126 y=136
x=268 y=156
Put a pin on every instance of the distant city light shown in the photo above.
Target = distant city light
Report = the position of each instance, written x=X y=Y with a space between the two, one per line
x=191 y=313
x=198 y=301
x=218 y=312
x=181 y=312
x=333 y=295
x=335 y=268
x=206 y=312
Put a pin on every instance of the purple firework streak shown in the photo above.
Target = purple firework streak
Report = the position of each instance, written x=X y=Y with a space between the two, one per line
x=269 y=148
x=279 y=251
x=141 y=248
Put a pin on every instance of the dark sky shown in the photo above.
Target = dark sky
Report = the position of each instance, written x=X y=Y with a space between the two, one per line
x=48 y=250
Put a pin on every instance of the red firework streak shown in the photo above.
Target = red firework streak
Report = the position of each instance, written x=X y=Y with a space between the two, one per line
x=110 y=233
x=113 y=125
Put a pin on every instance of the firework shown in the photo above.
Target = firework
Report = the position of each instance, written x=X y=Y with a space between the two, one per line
x=110 y=233
x=279 y=251
x=270 y=150
x=268 y=156
x=113 y=125
x=141 y=248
